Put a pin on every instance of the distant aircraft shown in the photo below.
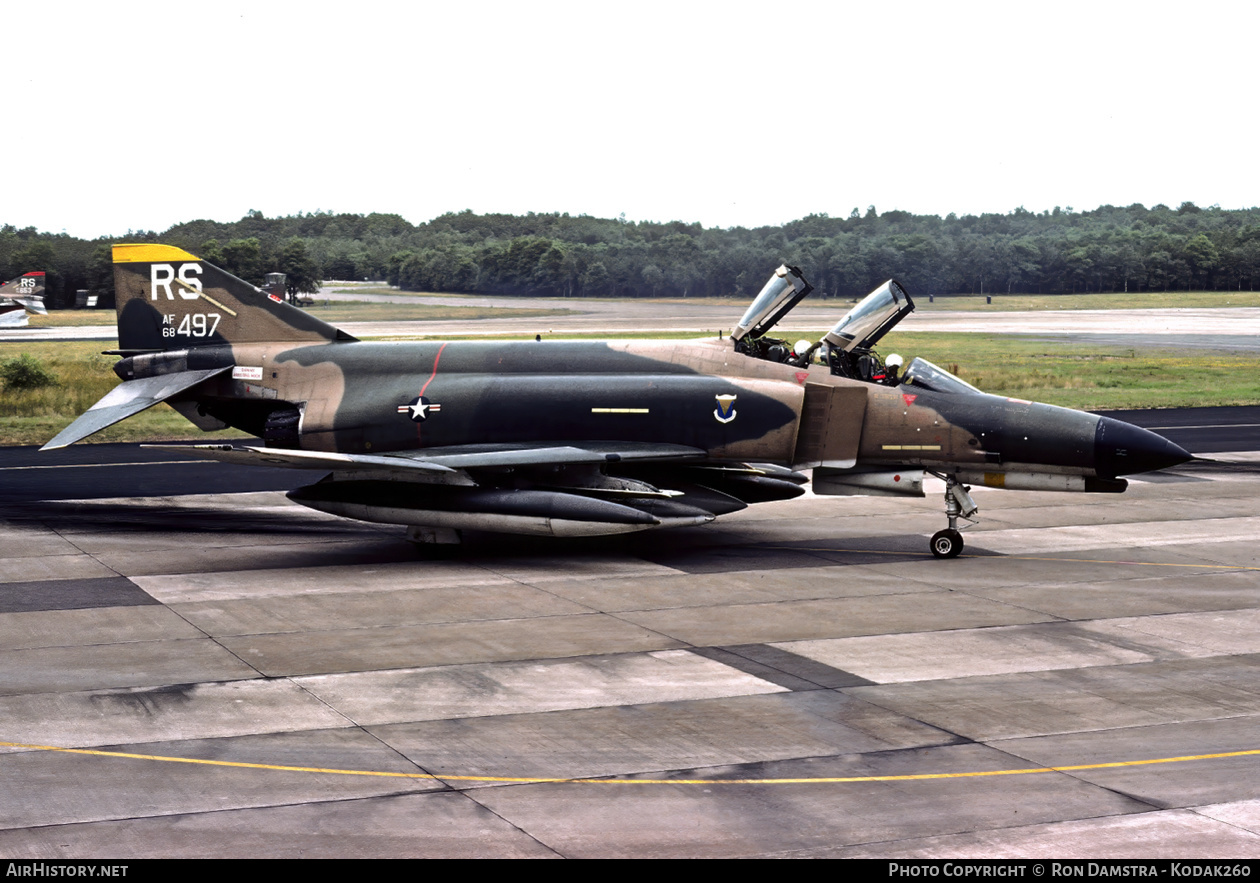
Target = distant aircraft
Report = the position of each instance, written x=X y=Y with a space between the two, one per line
x=581 y=438
x=21 y=296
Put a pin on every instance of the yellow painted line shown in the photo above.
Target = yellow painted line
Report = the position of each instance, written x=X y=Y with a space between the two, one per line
x=1137 y=563
x=1017 y=558
x=820 y=780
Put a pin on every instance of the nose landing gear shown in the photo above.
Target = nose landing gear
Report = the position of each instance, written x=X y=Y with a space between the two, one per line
x=948 y=543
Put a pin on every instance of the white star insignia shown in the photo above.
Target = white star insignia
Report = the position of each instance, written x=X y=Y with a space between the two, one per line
x=418 y=409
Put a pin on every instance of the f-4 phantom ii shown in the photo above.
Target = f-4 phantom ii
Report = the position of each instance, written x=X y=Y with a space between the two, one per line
x=20 y=297
x=579 y=438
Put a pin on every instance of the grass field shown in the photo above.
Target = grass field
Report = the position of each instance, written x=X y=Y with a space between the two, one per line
x=33 y=416
x=1088 y=376
x=1073 y=375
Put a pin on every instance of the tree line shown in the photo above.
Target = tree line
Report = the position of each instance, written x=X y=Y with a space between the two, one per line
x=1108 y=249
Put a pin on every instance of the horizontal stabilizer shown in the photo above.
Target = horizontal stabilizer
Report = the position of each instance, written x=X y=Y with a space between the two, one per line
x=128 y=398
x=33 y=304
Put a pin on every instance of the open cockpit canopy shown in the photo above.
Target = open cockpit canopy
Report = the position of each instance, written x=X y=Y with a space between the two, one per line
x=784 y=290
x=848 y=349
x=872 y=318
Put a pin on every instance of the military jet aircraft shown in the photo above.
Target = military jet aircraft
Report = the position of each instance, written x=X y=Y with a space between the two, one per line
x=577 y=438
x=20 y=297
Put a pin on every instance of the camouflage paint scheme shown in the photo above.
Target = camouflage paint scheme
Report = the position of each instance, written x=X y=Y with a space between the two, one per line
x=560 y=437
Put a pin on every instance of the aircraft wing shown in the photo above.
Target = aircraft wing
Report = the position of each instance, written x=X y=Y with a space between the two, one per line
x=128 y=398
x=442 y=460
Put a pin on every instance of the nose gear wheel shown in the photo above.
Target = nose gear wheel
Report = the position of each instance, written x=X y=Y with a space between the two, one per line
x=948 y=543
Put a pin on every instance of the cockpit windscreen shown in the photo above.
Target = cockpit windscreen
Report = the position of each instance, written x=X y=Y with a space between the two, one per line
x=922 y=374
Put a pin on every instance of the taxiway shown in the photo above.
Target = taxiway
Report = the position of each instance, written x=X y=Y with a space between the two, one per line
x=241 y=676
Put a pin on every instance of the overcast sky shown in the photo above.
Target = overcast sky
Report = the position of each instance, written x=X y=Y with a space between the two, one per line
x=137 y=116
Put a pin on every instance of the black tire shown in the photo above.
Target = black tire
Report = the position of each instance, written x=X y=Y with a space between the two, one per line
x=947 y=543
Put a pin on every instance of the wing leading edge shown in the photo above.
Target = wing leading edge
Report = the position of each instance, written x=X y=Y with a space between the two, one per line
x=442 y=460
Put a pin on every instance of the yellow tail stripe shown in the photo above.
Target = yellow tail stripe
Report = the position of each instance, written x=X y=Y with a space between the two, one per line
x=146 y=253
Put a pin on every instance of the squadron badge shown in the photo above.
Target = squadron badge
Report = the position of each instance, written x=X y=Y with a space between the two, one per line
x=419 y=409
x=725 y=412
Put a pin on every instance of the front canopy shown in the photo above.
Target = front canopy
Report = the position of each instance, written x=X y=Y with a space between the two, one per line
x=784 y=290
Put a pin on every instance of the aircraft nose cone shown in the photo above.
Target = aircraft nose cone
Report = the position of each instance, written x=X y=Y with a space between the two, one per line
x=1124 y=449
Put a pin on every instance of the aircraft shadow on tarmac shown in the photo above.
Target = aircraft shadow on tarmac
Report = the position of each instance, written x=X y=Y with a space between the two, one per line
x=713 y=548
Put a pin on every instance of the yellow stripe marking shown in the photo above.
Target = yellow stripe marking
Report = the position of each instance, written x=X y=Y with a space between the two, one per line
x=184 y=285
x=619 y=410
x=1020 y=558
x=911 y=447
x=147 y=253
x=820 y=780
x=228 y=310
x=1135 y=563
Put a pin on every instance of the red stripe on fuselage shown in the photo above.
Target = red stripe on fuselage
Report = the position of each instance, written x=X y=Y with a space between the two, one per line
x=435 y=364
x=436 y=359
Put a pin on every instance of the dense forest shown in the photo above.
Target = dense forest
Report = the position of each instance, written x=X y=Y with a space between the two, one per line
x=1061 y=251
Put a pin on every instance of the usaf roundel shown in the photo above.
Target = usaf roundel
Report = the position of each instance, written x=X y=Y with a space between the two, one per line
x=725 y=412
x=419 y=409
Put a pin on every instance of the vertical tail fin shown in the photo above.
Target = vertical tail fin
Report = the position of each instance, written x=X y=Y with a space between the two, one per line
x=27 y=292
x=170 y=299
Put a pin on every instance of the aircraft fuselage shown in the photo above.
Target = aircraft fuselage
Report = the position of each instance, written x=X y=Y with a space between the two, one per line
x=383 y=397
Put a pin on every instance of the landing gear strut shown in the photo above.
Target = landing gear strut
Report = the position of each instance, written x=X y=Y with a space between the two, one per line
x=948 y=543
